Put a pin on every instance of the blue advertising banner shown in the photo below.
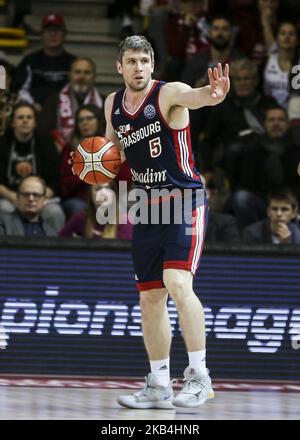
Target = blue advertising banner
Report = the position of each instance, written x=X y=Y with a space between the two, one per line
x=71 y=311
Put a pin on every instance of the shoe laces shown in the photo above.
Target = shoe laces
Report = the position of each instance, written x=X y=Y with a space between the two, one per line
x=191 y=383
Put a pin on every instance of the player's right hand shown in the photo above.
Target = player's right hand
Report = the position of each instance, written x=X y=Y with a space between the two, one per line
x=70 y=162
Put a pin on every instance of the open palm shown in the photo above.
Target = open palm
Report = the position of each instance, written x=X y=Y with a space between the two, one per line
x=219 y=81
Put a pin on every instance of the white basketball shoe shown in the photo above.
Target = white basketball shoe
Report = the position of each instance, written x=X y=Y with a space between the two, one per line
x=151 y=396
x=197 y=388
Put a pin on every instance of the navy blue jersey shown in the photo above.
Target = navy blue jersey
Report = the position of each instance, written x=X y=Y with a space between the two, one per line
x=158 y=156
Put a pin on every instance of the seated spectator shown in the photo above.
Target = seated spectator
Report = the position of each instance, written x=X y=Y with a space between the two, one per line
x=23 y=153
x=7 y=97
x=278 y=228
x=156 y=14
x=221 y=50
x=189 y=25
x=240 y=115
x=59 y=113
x=89 y=121
x=268 y=162
x=255 y=22
x=85 y=224
x=26 y=219
x=44 y=71
x=277 y=76
x=221 y=227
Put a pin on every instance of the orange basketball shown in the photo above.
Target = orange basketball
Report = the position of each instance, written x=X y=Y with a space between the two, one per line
x=96 y=160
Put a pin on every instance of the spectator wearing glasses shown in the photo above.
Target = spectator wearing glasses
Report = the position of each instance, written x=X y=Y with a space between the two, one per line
x=26 y=219
x=23 y=152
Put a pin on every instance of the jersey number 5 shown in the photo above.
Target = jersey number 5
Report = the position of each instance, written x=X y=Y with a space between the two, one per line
x=155 y=147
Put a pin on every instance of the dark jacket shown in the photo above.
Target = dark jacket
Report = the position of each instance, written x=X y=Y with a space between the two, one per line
x=38 y=75
x=222 y=228
x=260 y=232
x=11 y=224
x=45 y=154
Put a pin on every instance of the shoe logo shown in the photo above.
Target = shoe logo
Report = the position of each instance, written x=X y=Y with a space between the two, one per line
x=164 y=367
x=168 y=397
x=117 y=112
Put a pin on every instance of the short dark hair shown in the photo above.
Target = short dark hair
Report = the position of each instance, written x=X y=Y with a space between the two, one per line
x=21 y=104
x=135 y=43
x=38 y=178
x=286 y=195
x=275 y=107
x=224 y=17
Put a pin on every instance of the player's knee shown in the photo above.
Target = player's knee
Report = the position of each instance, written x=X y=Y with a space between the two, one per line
x=152 y=300
x=176 y=286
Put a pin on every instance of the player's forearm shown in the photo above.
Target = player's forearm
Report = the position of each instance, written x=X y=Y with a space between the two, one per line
x=203 y=97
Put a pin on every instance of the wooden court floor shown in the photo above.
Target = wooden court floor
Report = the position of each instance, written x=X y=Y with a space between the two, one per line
x=44 y=403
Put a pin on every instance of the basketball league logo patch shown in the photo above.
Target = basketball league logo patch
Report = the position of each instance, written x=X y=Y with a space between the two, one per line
x=149 y=111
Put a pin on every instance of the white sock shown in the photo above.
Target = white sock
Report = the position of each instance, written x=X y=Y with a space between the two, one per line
x=197 y=359
x=161 y=370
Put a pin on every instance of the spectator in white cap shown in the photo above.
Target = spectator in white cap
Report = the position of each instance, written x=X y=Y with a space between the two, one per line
x=45 y=71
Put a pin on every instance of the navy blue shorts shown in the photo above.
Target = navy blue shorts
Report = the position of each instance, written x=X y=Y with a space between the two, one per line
x=156 y=247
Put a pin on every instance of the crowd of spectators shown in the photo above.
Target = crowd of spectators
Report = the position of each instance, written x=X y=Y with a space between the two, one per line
x=247 y=149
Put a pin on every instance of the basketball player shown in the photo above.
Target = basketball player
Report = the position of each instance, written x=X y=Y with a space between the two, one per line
x=149 y=119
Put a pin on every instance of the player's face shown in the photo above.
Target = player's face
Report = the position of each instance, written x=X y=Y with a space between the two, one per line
x=136 y=68
x=280 y=211
x=82 y=77
x=276 y=123
x=87 y=123
x=31 y=197
x=287 y=36
x=23 y=121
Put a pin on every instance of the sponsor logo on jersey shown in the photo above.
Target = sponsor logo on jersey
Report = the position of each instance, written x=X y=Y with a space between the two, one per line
x=128 y=137
x=150 y=111
x=117 y=112
x=150 y=176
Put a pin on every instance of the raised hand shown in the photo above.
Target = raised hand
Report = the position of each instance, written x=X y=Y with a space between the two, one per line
x=219 y=82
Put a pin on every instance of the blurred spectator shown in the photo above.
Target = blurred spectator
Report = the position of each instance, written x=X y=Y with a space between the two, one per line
x=89 y=122
x=156 y=14
x=240 y=115
x=221 y=50
x=7 y=98
x=268 y=162
x=255 y=22
x=277 y=76
x=221 y=227
x=278 y=228
x=189 y=25
x=125 y=10
x=26 y=220
x=85 y=224
x=60 y=110
x=46 y=70
x=23 y=153
x=17 y=10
